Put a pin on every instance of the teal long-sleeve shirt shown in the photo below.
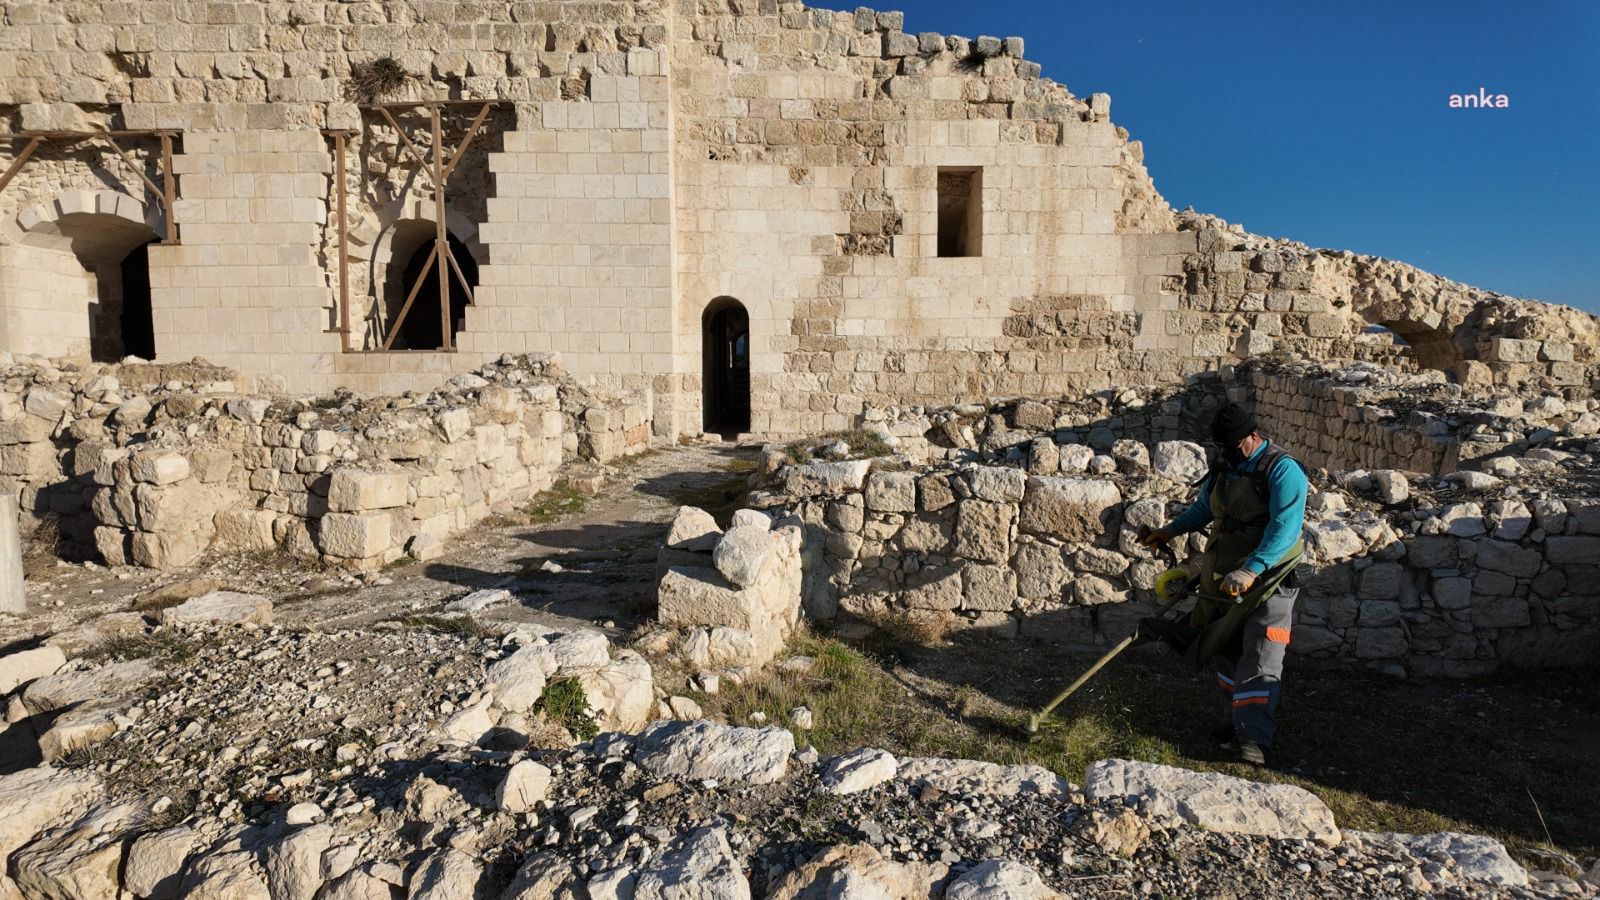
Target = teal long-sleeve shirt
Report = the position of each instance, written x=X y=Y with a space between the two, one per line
x=1286 y=504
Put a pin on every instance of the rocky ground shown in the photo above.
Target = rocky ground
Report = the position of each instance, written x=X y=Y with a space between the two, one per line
x=416 y=733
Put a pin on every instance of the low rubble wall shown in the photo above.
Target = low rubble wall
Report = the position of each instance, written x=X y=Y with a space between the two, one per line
x=155 y=465
x=1356 y=416
x=1452 y=588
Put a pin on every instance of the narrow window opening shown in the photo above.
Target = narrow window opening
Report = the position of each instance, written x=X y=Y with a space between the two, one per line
x=960 y=211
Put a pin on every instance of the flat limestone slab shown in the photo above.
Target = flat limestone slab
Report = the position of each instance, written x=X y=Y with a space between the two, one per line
x=1214 y=802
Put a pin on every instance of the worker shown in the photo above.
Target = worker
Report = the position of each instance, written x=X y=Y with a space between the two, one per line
x=1255 y=494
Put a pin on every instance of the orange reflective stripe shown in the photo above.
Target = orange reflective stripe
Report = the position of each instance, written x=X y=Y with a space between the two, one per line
x=1225 y=686
x=1250 y=700
x=1277 y=635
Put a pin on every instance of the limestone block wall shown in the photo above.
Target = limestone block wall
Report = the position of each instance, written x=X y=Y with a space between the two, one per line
x=1336 y=425
x=809 y=147
x=1454 y=590
x=156 y=465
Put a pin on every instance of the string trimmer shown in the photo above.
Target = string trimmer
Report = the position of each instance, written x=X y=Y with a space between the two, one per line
x=1172 y=586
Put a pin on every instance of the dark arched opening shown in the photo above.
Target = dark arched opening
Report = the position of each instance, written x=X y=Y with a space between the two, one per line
x=136 y=327
x=422 y=329
x=1430 y=347
x=725 y=342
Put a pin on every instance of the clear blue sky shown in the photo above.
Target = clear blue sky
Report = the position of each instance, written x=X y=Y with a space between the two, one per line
x=1328 y=123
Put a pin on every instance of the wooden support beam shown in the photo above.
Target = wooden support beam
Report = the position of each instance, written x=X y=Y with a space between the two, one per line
x=394 y=327
x=466 y=142
x=169 y=193
x=344 y=244
x=442 y=236
x=19 y=162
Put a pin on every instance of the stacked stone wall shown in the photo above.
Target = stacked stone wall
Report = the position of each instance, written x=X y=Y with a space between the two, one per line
x=156 y=465
x=1455 y=589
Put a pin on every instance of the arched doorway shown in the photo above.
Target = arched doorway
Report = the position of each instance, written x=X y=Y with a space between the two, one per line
x=421 y=329
x=136 y=324
x=76 y=282
x=725 y=342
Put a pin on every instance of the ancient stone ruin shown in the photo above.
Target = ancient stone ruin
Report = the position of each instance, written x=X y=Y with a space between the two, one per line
x=305 y=303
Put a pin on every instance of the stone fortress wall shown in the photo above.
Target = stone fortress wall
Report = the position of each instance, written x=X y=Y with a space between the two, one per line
x=645 y=159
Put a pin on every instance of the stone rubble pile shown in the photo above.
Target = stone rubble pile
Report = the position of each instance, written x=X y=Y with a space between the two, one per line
x=156 y=465
x=730 y=599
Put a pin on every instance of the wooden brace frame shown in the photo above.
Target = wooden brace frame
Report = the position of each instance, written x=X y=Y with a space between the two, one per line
x=165 y=193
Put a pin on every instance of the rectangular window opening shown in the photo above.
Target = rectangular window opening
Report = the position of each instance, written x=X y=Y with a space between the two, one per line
x=960 y=211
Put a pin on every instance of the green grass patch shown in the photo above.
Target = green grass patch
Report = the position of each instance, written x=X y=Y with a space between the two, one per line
x=1385 y=755
x=562 y=499
x=564 y=703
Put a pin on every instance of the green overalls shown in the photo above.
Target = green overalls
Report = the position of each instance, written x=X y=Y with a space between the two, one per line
x=1247 y=638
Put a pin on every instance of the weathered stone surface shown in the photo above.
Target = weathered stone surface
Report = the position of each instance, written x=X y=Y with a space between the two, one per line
x=24 y=666
x=999 y=879
x=862 y=868
x=700 y=866
x=220 y=608
x=448 y=874
x=742 y=553
x=1042 y=572
x=79 y=727
x=621 y=693
x=294 y=863
x=525 y=784
x=78 y=860
x=858 y=770
x=1180 y=461
x=1214 y=802
x=159 y=467
x=355 y=535
x=729 y=754
x=998 y=484
x=891 y=492
x=33 y=799
x=1470 y=856
x=546 y=876
x=988 y=588
x=519 y=679
x=119 y=679
x=470 y=724
x=973 y=777
x=1072 y=509
x=155 y=862
x=693 y=529
x=354 y=490
x=817 y=479
x=1572 y=550
x=580 y=649
x=983 y=530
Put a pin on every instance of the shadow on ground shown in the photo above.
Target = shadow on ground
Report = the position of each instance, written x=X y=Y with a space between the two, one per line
x=1493 y=754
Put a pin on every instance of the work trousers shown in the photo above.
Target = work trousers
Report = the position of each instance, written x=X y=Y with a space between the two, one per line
x=1251 y=670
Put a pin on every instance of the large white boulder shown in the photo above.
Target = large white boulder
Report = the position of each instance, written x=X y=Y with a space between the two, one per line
x=220 y=608
x=968 y=776
x=726 y=753
x=700 y=866
x=1214 y=802
x=1180 y=461
x=742 y=554
x=858 y=770
x=24 y=666
x=999 y=879
x=1470 y=856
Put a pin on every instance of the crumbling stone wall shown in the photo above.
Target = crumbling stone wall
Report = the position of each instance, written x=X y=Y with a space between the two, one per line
x=1455 y=589
x=155 y=465
x=646 y=159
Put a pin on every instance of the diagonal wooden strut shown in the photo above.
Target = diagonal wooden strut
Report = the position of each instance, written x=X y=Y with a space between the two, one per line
x=438 y=170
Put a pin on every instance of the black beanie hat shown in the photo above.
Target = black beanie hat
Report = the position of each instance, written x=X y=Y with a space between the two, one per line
x=1232 y=425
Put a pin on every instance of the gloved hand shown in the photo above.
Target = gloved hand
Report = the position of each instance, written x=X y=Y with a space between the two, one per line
x=1155 y=538
x=1238 y=582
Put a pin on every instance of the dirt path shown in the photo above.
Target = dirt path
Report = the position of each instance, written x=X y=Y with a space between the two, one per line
x=594 y=565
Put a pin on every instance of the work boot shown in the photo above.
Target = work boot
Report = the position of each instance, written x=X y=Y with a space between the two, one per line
x=1224 y=735
x=1252 y=753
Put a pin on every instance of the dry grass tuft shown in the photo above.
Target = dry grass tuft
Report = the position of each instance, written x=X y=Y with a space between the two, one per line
x=376 y=79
